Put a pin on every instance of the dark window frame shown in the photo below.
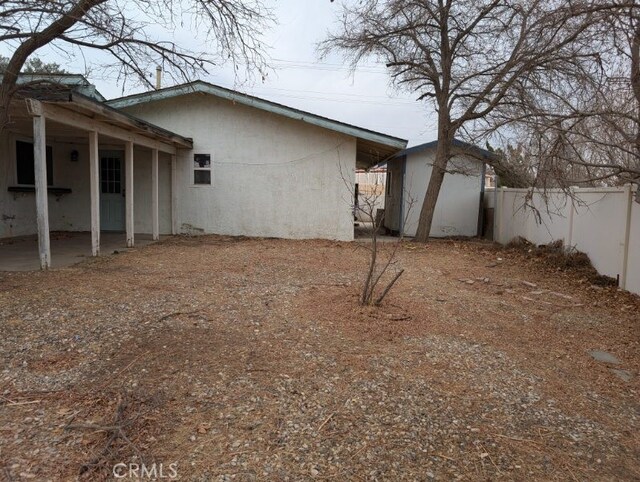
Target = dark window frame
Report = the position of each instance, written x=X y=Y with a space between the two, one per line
x=199 y=161
x=25 y=168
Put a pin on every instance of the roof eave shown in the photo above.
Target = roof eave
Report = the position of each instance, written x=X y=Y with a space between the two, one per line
x=269 y=106
x=127 y=119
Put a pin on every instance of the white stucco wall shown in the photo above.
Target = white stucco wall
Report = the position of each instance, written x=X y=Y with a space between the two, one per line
x=458 y=204
x=271 y=176
x=71 y=212
x=142 y=191
x=68 y=212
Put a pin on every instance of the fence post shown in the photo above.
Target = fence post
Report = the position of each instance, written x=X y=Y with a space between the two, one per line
x=572 y=207
x=500 y=211
x=627 y=235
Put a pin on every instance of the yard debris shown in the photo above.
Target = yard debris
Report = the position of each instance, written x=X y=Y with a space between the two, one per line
x=560 y=295
x=624 y=375
x=529 y=284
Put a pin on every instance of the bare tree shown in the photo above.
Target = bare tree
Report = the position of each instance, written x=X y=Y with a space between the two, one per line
x=117 y=33
x=470 y=57
x=382 y=262
x=586 y=132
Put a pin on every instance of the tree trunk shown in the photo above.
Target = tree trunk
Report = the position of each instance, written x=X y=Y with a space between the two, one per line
x=443 y=153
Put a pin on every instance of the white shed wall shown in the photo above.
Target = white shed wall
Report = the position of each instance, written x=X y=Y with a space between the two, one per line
x=458 y=204
x=271 y=176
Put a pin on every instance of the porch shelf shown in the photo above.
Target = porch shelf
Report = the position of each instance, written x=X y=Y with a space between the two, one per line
x=51 y=190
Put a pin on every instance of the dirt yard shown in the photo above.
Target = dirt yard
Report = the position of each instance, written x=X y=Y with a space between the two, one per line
x=245 y=360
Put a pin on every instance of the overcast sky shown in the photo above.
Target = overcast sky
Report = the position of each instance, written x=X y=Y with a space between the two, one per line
x=299 y=80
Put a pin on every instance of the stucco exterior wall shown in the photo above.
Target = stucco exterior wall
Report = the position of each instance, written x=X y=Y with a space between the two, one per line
x=71 y=212
x=67 y=212
x=458 y=204
x=271 y=176
x=142 y=191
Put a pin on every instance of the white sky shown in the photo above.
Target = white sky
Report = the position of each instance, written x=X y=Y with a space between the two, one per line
x=299 y=80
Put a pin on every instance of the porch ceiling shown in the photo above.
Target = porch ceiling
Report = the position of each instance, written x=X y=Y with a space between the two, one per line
x=71 y=111
x=369 y=154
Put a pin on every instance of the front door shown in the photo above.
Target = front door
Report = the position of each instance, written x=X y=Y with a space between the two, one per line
x=112 y=191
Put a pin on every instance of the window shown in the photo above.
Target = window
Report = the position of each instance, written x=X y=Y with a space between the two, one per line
x=24 y=163
x=202 y=169
x=388 y=183
x=110 y=175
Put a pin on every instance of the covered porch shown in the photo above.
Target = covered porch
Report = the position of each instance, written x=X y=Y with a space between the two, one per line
x=71 y=164
x=21 y=253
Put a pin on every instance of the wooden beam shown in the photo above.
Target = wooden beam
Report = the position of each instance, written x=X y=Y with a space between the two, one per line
x=174 y=195
x=155 y=220
x=131 y=121
x=80 y=121
x=94 y=182
x=128 y=163
x=42 y=202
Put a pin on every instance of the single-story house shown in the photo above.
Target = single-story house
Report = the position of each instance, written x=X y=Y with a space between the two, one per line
x=459 y=207
x=193 y=158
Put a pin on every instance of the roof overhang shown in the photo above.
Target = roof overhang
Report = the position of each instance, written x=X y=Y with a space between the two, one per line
x=458 y=148
x=71 y=108
x=372 y=147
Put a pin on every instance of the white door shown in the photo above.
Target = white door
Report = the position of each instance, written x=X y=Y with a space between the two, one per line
x=112 y=191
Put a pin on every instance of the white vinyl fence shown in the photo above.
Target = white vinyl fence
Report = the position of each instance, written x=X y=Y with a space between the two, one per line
x=604 y=223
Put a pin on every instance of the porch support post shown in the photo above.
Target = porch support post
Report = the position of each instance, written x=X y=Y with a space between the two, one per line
x=42 y=203
x=174 y=195
x=128 y=162
x=94 y=181
x=155 y=220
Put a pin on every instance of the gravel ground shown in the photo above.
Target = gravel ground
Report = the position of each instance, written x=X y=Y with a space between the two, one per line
x=250 y=359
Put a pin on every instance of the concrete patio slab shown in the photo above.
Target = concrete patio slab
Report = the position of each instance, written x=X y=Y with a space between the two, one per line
x=67 y=248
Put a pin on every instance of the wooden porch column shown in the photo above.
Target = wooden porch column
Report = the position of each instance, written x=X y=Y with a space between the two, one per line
x=155 y=220
x=128 y=162
x=42 y=203
x=94 y=181
x=174 y=195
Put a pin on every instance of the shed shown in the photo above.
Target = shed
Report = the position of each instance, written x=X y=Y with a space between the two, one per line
x=458 y=210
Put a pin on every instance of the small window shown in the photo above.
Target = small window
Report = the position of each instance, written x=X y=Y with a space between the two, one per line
x=202 y=169
x=24 y=164
x=388 y=183
x=110 y=175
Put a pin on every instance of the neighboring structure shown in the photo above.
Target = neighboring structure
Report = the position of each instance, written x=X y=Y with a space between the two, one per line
x=370 y=191
x=458 y=210
x=239 y=165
